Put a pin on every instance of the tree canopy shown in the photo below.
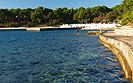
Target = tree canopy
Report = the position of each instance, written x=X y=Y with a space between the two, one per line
x=45 y=16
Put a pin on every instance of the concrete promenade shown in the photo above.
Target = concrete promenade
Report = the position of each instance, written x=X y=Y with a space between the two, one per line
x=12 y=28
x=122 y=46
x=35 y=28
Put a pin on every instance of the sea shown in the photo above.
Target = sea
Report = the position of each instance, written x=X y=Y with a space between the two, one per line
x=56 y=57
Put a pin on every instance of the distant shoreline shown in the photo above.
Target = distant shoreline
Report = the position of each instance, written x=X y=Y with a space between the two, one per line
x=46 y=28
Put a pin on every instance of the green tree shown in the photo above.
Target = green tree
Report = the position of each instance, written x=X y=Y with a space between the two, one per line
x=127 y=15
x=6 y=16
x=111 y=16
x=16 y=13
x=88 y=16
x=51 y=16
x=38 y=16
x=25 y=15
x=128 y=4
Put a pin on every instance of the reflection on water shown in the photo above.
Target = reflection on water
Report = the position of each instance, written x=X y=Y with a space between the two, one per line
x=50 y=57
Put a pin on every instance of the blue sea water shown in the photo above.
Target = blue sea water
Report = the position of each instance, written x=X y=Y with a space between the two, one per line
x=52 y=57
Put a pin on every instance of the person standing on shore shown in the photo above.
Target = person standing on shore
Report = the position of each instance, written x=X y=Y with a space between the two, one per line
x=78 y=31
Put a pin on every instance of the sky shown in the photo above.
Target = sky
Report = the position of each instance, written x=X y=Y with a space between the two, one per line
x=53 y=4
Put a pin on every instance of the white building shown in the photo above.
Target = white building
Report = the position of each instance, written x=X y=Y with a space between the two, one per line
x=90 y=26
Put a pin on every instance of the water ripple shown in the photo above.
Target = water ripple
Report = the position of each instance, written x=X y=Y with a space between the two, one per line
x=51 y=57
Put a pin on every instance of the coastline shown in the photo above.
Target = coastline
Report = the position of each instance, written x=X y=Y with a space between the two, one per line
x=122 y=48
x=46 y=28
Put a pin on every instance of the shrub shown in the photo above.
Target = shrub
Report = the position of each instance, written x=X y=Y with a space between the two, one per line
x=2 y=25
x=54 y=22
x=127 y=18
x=124 y=20
x=14 y=25
x=31 y=25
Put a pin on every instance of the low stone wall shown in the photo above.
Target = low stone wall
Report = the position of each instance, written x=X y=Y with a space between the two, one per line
x=125 y=32
x=93 y=32
x=32 y=29
x=123 y=52
x=12 y=28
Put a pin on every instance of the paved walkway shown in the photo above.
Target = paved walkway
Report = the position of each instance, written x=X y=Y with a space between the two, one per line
x=126 y=39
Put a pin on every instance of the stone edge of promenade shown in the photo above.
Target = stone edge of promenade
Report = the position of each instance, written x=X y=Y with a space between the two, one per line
x=123 y=51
